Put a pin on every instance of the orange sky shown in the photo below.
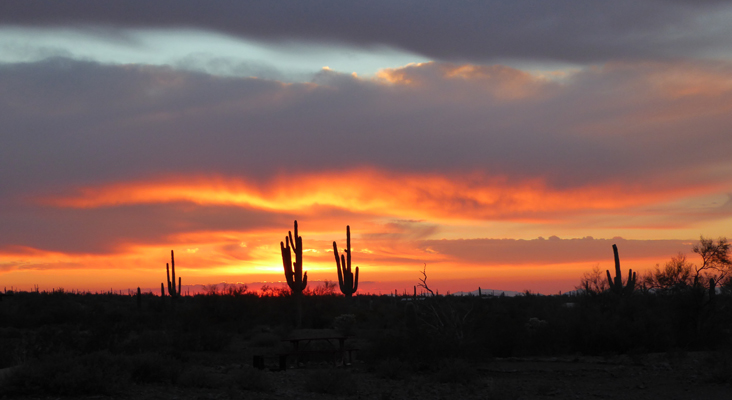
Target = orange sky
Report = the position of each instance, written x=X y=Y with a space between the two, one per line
x=489 y=175
x=399 y=223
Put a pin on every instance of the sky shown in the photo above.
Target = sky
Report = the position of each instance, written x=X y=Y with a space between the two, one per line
x=497 y=144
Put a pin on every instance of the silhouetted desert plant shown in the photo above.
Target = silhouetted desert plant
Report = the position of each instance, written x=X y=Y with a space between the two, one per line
x=345 y=324
x=172 y=290
x=593 y=282
x=616 y=285
x=297 y=280
x=98 y=373
x=347 y=280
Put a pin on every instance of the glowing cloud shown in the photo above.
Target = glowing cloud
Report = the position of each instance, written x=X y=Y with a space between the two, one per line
x=390 y=194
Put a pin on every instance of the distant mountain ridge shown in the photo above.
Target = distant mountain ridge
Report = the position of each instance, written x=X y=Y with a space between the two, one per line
x=489 y=292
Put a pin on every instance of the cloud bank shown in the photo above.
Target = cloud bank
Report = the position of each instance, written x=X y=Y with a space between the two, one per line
x=109 y=166
x=565 y=30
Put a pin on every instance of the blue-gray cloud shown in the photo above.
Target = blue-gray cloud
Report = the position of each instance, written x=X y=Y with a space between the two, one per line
x=564 y=30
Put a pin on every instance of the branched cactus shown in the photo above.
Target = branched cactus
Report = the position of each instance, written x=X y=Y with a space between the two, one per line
x=616 y=285
x=172 y=290
x=296 y=279
x=347 y=281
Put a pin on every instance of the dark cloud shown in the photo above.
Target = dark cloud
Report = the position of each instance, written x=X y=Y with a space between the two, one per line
x=70 y=123
x=111 y=229
x=567 y=30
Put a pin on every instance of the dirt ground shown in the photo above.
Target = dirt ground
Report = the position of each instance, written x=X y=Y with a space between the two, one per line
x=667 y=376
x=655 y=376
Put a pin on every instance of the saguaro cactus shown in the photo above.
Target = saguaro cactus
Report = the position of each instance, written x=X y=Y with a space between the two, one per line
x=296 y=279
x=616 y=285
x=172 y=290
x=346 y=279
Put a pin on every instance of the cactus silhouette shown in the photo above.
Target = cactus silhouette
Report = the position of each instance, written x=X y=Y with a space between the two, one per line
x=346 y=280
x=616 y=285
x=296 y=279
x=172 y=290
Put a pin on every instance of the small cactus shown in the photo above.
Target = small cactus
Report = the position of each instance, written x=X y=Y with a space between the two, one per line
x=616 y=285
x=346 y=279
x=296 y=279
x=172 y=290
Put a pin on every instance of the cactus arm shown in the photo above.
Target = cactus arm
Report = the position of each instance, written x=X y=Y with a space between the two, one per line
x=610 y=281
x=338 y=264
x=344 y=272
x=297 y=280
x=287 y=262
x=346 y=280
x=618 y=274
x=172 y=272
x=297 y=247
x=616 y=284
x=167 y=272
x=348 y=249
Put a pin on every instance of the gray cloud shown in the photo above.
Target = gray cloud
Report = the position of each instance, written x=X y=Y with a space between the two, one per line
x=111 y=229
x=553 y=250
x=566 y=30
x=71 y=123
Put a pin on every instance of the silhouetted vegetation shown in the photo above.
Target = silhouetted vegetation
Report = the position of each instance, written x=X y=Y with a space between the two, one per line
x=72 y=344
x=347 y=282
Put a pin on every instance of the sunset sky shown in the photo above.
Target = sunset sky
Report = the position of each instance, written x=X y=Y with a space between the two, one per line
x=503 y=144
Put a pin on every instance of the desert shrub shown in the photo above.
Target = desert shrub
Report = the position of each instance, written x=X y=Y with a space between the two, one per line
x=338 y=382
x=254 y=380
x=93 y=374
x=11 y=352
x=203 y=340
x=345 y=324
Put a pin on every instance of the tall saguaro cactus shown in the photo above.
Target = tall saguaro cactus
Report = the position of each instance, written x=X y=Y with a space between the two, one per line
x=346 y=279
x=296 y=279
x=171 y=283
x=616 y=285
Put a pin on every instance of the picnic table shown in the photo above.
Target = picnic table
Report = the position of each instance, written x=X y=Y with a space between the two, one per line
x=306 y=343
